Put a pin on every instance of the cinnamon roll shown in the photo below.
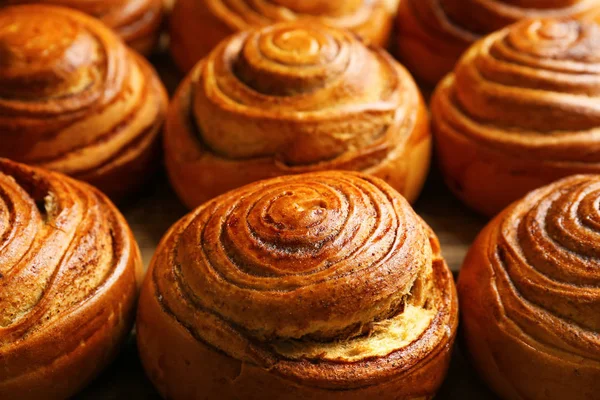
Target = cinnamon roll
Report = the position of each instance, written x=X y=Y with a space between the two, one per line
x=198 y=26
x=324 y=285
x=433 y=34
x=294 y=98
x=69 y=272
x=530 y=294
x=520 y=111
x=75 y=99
x=138 y=22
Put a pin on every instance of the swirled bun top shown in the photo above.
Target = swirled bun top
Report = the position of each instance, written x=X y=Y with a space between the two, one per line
x=528 y=85
x=307 y=85
x=297 y=97
x=328 y=239
x=440 y=31
x=73 y=98
x=489 y=15
x=218 y=19
x=45 y=57
x=329 y=267
x=522 y=108
x=69 y=269
x=49 y=224
x=137 y=22
x=532 y=82
x=548 y=246
x=530 y=288
x=243 y=14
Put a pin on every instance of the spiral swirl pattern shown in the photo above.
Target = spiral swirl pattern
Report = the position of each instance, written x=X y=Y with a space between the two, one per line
x=294 y=98
x=539 y=264
x=68 y=279
x=352 y=14
x=73 y=98
x=138 y=22
x=371 y=19
x=523 y=103
x=442 y=30
x=308 y=267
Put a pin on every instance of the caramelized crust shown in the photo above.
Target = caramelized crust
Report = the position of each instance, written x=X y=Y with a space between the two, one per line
x=198 y=26
x=295 y=98
x=433 y=34
x=138 y=22
x=69 y=269
x=323 y=285
x=521 y=109
x=530 y=295
x=74 y=99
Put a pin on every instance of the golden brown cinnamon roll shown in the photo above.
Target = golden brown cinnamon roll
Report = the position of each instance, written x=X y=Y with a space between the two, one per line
x=138 y=22
x=74 y=99
x=69 y=272
x=433 y=34
x=323 y=285
x=530 y=294
x=520 y=111
x=294 y=98
x=198 y=26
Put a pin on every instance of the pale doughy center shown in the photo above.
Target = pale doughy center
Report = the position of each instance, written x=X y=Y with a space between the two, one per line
x=385 y=337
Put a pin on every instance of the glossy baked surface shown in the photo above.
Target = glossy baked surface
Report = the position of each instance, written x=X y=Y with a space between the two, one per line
x=521 y=109
x=74 y=99
x=137 y=22
x=329 y=280
x=154 y=212
x=433 y=34
x=530 y=292
x=295 y=98
x=69 y=271
x=197 y=26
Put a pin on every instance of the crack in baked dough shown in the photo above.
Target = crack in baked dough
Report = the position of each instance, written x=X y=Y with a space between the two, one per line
x=364 y=230
x=383 y=338
x=328 y=267
x=324 y=285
